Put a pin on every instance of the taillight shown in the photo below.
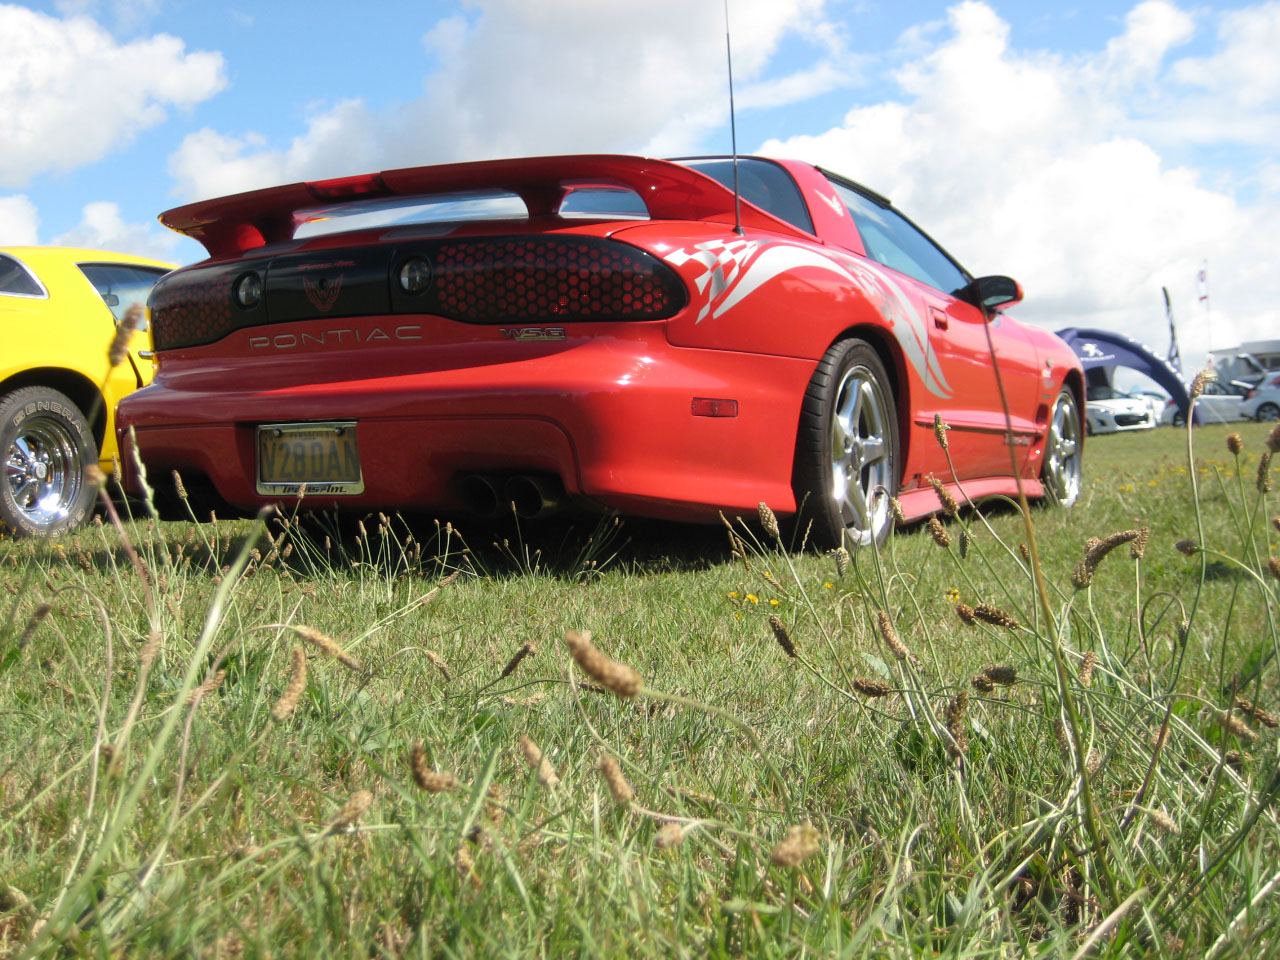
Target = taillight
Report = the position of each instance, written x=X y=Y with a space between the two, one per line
x=349 y=188
x=552 y=279
x=1250 y=393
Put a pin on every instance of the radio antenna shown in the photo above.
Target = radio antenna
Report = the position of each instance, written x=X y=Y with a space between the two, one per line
x=733 y=127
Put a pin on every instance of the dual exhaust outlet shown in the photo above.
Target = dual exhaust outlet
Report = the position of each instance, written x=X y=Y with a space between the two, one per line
x=531 y=496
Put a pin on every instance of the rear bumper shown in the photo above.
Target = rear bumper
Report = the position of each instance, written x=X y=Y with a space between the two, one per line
x=610 y=416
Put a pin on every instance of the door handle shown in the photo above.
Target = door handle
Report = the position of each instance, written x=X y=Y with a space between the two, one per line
x=940 y=318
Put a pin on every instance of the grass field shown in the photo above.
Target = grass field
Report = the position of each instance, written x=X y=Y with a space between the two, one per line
x=248 y=740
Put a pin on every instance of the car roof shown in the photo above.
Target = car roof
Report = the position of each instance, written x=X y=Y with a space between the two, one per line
x=36 y=255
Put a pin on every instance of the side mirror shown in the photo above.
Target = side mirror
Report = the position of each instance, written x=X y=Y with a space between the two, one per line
x=993 y=293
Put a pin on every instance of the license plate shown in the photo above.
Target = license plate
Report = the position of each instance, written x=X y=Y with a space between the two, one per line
x=323 y=456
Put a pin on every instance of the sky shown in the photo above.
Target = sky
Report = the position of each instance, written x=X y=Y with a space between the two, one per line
x=1096 y=151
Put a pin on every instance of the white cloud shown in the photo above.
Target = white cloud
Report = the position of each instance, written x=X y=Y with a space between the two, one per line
x=19 y=221
x=70 y=93
x=1030 y=164
x=102 y=227
x=558 y=76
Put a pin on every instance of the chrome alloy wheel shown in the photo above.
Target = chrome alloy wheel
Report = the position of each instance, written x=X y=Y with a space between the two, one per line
x=44 y=470
x=1062 y=451
x=861 y=464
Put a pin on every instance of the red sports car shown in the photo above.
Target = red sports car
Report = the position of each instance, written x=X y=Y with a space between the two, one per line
x=601 y=332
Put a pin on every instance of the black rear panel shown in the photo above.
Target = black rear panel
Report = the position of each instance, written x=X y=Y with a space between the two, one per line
x=520 y=279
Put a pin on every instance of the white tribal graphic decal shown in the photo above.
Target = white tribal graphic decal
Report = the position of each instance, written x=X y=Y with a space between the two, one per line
x=733 y=270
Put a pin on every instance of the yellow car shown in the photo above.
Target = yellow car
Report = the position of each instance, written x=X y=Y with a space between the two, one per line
x=60 y=310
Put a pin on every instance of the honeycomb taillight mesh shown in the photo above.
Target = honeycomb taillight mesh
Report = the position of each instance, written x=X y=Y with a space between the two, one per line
x=193 y=307
x=551 y=278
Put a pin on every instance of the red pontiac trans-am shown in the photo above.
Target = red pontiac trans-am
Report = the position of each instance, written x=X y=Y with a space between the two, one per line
x=604 y=332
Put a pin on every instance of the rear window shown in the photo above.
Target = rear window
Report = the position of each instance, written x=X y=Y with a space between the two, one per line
x=120 y=285
x=17 y=281
x=586 y=202
x=408 y=212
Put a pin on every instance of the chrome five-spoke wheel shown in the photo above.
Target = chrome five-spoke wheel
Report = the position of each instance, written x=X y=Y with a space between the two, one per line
x=847 y=453
x=48 y=445
x=1062 y=451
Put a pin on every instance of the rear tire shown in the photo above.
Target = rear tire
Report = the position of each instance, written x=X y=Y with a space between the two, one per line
x=846 y=464
x=48 y=445
x=1060 y=471
x=1268 y=411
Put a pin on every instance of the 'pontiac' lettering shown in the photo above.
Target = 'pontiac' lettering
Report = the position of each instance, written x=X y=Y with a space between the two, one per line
x=347 y=336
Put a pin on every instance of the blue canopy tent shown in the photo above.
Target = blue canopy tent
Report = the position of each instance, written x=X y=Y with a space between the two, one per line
x=1101 y=350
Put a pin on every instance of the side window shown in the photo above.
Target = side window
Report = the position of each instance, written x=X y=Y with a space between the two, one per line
x=761 y=182
x=121 y=285
x=16 y=281
x=892 y=240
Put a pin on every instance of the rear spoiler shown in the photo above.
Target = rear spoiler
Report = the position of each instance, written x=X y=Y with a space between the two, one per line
x=230 y=226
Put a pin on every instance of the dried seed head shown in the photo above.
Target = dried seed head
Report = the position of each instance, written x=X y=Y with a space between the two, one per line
x=537 y=762
x=1187 y=547
x=869 y=687
x=1275 y=522
x=982 y=683
x=1096 y=550
x=463 y=863
x=966 y=614
x=1235 y=443
x=1164 y=821
x=959 y=744
x=1264 y=469
x=610 y=674
x=437 y=661
x=619 y=789
x=450 y=578
x=135 y=318
x=768 y=521
x=94 y=477
x=181 y=489
x=288 y=701
x=1138 y=549
x=206 y=688
x=1234 y=725
x=1086 y=668
x=1273 y=439
x=326 y=644
x=966 y=541
x=494 y=810
x=800 y=843
x=1201 y=379
x=781 y=635
x=527 y=650
x=949 y=505
x=939 y=533
x=890 y=635
x=1025 y=552
x=1001 y=673
x=37 y=617
x=426 y=778
x=842 y=557
x=940 y=431
x=995 y=616
x=1264 y=717
x=670 y=835
x=895 y=507
x=1093 y=762
x=1273 y=567
x=351 y=811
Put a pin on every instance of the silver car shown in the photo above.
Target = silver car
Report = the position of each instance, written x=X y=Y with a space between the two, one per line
x=1262 y=403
